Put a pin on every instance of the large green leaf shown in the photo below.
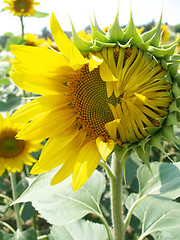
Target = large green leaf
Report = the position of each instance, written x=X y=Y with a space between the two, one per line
x=29 y=234
x=14 y=41
x=160 y=218
x=165 y=182
x=59 y=204
x=79 y=230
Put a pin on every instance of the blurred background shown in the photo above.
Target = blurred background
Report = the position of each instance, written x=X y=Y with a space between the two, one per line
x=144 y=12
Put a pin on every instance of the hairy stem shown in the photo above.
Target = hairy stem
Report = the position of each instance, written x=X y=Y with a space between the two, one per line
x=116 y=199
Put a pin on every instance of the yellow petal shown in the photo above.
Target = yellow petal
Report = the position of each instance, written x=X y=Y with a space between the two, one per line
x=38 y=60
x=39 y=83
x=37 y=106
x=112 y=128
x=2 y=164
x=59 y=150
x=94 y=61
x=106 y=74
x=47 y=125
x=65 y=46
x=86 y=162
x=105 y=148
x=64 y=172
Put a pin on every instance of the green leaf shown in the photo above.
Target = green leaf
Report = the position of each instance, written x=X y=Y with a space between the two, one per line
x=160 y=218
x=29 y=234
x=164 y=184
x=28 y=212
x=71 y=205
x=14 y=41
x=132 y=164
x=79 y=230
x=40 y=14
x=11 y=102
x=5 y=81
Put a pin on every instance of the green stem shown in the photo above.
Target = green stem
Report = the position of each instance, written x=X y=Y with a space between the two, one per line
x=106 y=226
x=15 y=196
x=22 y=27
x=116 y=199
x=8 y=226
x=130 y=212
x=6 y=197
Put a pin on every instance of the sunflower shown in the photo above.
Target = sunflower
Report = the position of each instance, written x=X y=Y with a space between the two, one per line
x=34 y=40
x=21 y=7
x=165 y=34
x=13 y=152
x=117 y=91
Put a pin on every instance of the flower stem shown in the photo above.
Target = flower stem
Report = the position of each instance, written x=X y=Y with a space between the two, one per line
x=22 y=27
x=116 y=199
x=15 y=196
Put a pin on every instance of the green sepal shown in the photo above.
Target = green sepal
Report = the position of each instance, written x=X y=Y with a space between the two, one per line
x=164 y=64
x=96 y=47
x=80 y=43
x=152 y=130
x=161 y=120
x=175 y=57
x=156 y=142
x=162 y=52
x=176 y=90
x=97 y=35
x=170 y=51
x=172 y=44
x=107 y=44
x=157 y=31
x=154 y=34
x=173 y=67
x=172 y=119
x=168 y=133
x=97 y=27
x=125 y=45
x=121 y=151
x=167 y=78
x=143 y=143
x=131 y=32
x=145 y=46
x=115 y=34
x=122 y=154
x=173 y=107
x=143 y=154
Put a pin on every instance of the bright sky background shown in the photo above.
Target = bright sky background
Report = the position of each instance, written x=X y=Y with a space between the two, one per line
x=144 y=11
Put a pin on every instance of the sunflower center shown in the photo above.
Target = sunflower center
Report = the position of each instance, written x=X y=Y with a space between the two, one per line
x=21 y=5
x=121 y=98
x=9 y=146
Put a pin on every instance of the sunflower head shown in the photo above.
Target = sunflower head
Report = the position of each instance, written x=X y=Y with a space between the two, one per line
x=34 y=40
x=21 y=7
x=118 y=91
x=14 y=152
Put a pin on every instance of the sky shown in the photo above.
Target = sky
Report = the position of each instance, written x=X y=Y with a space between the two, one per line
x=144 y=11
